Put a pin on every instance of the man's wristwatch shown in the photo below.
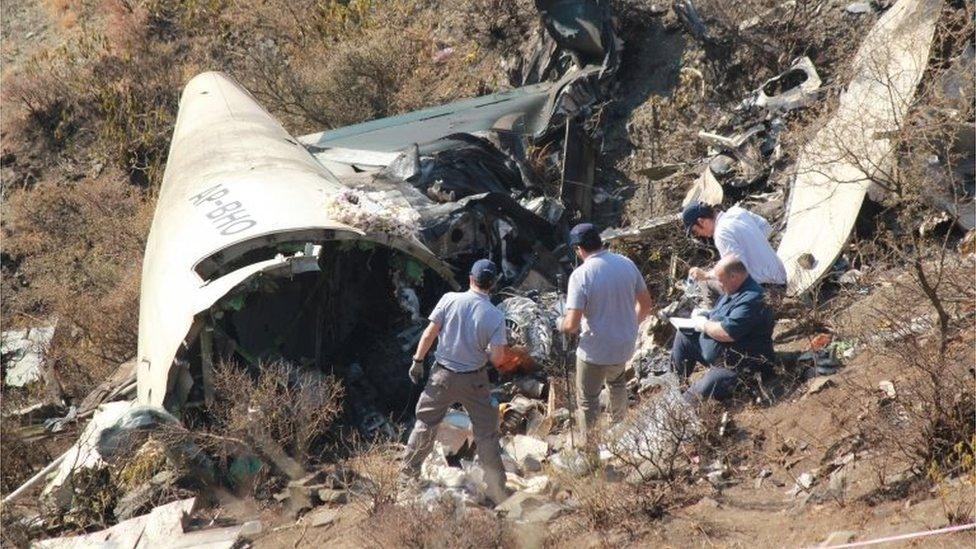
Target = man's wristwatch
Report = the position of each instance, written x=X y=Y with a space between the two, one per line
x=420 y=360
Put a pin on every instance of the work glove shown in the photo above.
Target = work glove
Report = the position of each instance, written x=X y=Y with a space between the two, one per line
x=416 y=372
x=699 y=322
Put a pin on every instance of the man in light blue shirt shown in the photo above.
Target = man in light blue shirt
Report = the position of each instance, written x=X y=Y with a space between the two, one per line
x=606 y=300
x=470 y=332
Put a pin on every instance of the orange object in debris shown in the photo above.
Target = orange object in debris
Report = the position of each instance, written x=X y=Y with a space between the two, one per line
x=513 y=359
x=820 y=341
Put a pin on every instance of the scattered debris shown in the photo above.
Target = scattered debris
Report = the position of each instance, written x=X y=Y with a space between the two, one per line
x=23 y=354
x=165 y=526
x=887 y=388
x=819 y=384
x=455 y=433
x=803 y=483
x=795 y=88
x=522 y=447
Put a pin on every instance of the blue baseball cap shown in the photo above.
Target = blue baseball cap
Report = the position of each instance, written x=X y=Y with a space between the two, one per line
x=694 y=211
x=484 y=272
x=586 y=235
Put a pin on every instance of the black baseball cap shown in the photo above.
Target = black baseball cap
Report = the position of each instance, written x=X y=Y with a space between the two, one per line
x=586 y=235
x=484 y=272
x=694 y=211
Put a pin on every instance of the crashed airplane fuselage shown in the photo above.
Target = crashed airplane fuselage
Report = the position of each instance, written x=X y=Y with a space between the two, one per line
x=323 y=250
x=244 y=248
x=237 y=187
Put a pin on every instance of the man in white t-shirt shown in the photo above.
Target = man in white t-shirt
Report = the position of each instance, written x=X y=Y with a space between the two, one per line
x=737 y=232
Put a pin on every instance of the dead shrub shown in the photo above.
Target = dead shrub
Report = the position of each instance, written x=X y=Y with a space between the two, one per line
x=377 y=464
x=290 y=405
x=445 y=526
x=929 y=426
x=609 y=505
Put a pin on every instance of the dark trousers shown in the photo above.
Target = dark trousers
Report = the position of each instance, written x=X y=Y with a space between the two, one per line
x=718 y=381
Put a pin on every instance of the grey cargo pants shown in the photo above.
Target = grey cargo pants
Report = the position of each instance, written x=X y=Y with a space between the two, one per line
x=589 y=382
x=473 y=391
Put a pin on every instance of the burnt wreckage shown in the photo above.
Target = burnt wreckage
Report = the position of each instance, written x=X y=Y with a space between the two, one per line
x=327 y=250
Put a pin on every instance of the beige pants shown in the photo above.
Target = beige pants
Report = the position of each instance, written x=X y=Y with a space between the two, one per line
x=473 y=391
x=590 y=379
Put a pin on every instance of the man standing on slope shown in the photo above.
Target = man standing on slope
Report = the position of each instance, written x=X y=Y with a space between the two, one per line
x=469 y=331
x=606 y=300
x=737 y=232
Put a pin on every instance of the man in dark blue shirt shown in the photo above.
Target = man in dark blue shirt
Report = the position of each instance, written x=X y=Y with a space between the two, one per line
x=736 y=337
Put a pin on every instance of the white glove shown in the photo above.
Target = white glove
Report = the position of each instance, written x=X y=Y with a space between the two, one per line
x=416 y=372
x=699 y=322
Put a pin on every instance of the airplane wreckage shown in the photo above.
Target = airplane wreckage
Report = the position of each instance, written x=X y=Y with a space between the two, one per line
x=326 y=250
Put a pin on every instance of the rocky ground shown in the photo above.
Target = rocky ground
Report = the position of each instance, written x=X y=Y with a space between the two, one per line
x=853 y=455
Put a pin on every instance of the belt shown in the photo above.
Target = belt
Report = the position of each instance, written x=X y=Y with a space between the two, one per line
x=460 y=373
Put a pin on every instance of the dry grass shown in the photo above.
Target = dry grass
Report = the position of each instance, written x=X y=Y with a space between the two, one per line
x=441 y=527
x=78 y=248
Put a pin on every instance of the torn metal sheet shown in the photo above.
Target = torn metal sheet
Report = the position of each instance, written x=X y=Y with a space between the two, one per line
x=165 y=526
x=584 y=28
x=395 y=134
x=641 y=231
x=705 y=189
x=795 y=88
x=835 y=168
x=23 y=354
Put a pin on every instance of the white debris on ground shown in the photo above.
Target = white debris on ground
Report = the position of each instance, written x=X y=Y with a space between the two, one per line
x=165 y=526
x=106 y=431
x=23 y=353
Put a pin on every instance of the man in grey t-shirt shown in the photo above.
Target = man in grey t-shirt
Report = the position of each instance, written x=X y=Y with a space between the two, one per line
x=469 y=331
x=606 y=300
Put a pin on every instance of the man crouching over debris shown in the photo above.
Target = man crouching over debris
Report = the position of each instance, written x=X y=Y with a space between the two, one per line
x=735 y=338
x=606 y=300
x=466 y=325
x=737 y=232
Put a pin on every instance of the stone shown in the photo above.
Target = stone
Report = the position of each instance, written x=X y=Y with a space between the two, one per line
x=888 y=388
x=839 y=537
x=721 y=165
x=522 y=446
x=709 y=502
x=859 y=8
x=544 y=513
x=323 y=516
x=328 y=495
x=251 y=528
x=819 y=384
x=838 y=482
x=520 y=504
x=803 y=483
x=716 y=478
x=531 y=465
